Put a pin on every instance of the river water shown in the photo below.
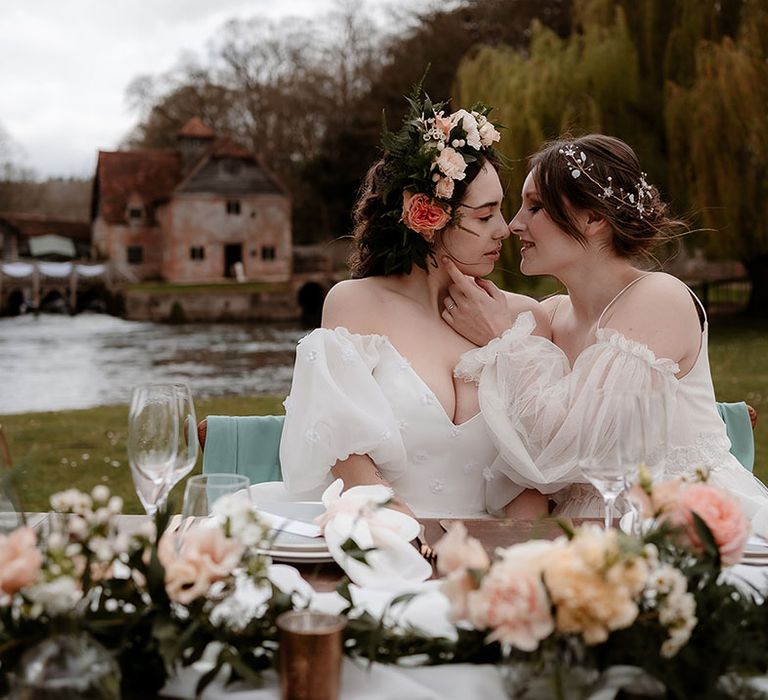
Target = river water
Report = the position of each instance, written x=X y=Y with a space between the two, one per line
x=53 y=362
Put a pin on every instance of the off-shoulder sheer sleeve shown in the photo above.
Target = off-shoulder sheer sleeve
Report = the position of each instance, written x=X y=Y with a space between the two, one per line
x=536 y=405
x=336 y=409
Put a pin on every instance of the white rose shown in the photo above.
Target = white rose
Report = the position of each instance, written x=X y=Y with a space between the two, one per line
x=488 y=134
x=469 y=124
x=452 y=164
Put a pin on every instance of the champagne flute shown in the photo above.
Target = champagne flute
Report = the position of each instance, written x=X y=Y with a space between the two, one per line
x=153 y=441
x=186 y=456
x=600 y=435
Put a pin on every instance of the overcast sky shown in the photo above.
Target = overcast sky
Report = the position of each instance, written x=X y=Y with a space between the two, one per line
x=66 y=65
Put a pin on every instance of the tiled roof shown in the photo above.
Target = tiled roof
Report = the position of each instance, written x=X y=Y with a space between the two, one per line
x=32 y=225
x=152 y=175
x=197 y=128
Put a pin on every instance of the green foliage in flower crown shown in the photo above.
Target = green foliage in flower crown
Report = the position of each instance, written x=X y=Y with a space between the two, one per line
x=409 y=156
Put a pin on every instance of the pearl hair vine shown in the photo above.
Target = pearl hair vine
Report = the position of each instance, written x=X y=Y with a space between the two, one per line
x=641 y=200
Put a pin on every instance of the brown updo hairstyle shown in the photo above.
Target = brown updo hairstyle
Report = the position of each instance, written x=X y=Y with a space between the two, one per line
x=382 y=244
x=562 y=194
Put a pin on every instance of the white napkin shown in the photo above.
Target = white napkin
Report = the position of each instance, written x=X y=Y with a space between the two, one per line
x=359 y=514
x=294 y=527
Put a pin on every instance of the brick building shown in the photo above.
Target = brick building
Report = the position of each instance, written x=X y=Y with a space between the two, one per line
x=192 y=214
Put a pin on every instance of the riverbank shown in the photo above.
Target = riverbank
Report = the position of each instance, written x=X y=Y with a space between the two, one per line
x=58 y=450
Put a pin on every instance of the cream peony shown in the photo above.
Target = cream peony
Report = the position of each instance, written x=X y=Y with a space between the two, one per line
x=451 y=163
x=20 y=560
x=444 y=188
x=513 y=603
x=593 y=586
x=206 y=556
x=457 y=551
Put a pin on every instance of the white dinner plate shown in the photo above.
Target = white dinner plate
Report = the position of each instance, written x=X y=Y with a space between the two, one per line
x=297 y=557
x=289 y=544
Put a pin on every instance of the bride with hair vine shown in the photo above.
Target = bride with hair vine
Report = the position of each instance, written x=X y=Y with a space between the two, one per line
x=374 y=399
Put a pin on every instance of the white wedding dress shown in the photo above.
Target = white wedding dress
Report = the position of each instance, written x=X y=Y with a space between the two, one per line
x=355 y=394
x=535 y=404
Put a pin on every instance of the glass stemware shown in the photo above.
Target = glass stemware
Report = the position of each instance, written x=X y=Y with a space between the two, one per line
x=626 y=433
x=186 y=455
x=153 y=441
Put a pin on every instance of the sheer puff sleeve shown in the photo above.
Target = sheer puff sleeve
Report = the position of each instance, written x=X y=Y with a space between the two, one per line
x=536 y=405
x=336 y=409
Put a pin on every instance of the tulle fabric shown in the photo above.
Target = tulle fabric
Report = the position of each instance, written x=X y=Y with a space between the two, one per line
x=537 y=407
x=337 y=409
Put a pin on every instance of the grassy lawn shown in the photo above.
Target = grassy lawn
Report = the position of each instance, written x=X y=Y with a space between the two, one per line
x=58 y=450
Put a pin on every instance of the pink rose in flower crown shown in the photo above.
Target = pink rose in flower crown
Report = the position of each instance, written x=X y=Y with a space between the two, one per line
x=723 y=516
x=20 y=560
x=207 y=555
x=423 y=214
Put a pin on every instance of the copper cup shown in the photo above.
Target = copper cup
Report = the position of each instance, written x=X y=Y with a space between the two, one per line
x=310 y=655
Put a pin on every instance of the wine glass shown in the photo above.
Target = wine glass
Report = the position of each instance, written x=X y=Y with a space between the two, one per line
x=186 y=456
x=202 y=492
x=600 y=458
x=153 y=441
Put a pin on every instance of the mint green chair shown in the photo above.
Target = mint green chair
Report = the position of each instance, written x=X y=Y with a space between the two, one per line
x=248 y=445
x=739 y=426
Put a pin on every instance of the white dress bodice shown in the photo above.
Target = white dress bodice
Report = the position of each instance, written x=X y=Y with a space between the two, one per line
x=355 y=394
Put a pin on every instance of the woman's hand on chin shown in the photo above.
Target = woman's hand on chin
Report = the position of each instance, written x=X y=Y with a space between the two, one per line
x=474 y=308
x=477 y=309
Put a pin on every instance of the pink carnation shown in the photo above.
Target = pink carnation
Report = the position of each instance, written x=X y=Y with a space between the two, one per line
x=513 y=602
x=723 y=516
x=423 y=214
x=20 y=560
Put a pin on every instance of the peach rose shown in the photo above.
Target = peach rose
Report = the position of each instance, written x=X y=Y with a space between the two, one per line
x=445 y=124
x=20 y=560
x=423 y=214
x=206 y=556
x=723 y=516
x=513 y=603
x=663 y=497
x=456 y=587
x=456 y=550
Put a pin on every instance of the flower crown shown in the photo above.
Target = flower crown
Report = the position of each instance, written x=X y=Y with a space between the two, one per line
x=429 y=154
x=641 y=200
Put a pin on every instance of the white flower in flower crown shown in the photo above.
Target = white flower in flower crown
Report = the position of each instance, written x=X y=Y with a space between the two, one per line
x=444 y=188
x=488 y=134
x=470 y=126
x=451 y=163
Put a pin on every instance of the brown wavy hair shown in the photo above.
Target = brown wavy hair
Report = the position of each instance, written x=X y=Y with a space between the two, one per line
x=380 y=247
x=612 y=162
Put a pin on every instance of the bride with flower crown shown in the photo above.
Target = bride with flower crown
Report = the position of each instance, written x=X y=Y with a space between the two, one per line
x=374 y=399
x=587 y=214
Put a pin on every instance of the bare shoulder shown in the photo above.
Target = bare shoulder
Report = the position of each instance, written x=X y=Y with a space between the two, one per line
x=660 y=312
x=660 y=296
x=350 y=304
x=552 y=302
x=518 y=303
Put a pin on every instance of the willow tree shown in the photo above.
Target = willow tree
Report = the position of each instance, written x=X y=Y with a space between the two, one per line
x=586 y=82
x=718 y=134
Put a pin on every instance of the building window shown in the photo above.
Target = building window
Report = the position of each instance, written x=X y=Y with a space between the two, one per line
x=135 y=213
x=267 y=252
x=135 y=254
x=233 y=206
x=197 y=252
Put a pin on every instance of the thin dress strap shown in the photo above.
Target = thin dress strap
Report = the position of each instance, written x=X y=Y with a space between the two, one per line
x=615 y=299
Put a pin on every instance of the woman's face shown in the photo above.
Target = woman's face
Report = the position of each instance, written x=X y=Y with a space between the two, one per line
x=545 y=249
x=474 y=244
